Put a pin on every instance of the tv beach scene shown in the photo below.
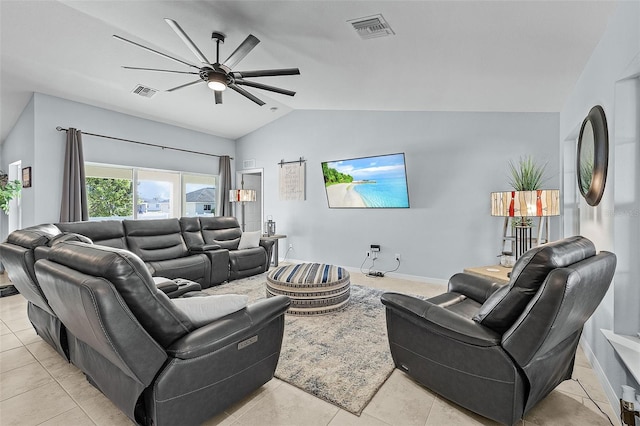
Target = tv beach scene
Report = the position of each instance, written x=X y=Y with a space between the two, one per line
x=374 y=182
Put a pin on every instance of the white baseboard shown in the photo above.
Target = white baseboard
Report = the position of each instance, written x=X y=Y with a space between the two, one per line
x=597 y=369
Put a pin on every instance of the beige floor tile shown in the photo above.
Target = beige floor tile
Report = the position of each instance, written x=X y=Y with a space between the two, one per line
x=75 y=417
x=14 y=358
x=59 y=368
x=42 y=350
x=444 y=412
x=4 y=329
x=13 y=300
x=221 y=419
x=28 y=336
x=18 y=324
x=77 y=386
x=590 y=381
x=562 y=409
x=241 y=407
x=603 y=409
x=102 y=411
x=401 y=401
x=288 y=405
x=35 y=406
x=9 y=341
x=23 y=379
x=344 y=418
x=581 y=359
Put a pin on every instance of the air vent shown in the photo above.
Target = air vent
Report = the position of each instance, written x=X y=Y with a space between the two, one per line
x=371 y=27
x=249 y=164
x=144 y=91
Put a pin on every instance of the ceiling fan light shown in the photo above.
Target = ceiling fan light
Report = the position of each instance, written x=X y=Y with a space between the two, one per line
x=217 y=81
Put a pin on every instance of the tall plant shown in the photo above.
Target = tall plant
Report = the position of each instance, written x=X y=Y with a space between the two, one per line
x=527 y=175
x=9 y=189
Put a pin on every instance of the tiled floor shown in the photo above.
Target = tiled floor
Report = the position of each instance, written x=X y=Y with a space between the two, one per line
x=37 y=387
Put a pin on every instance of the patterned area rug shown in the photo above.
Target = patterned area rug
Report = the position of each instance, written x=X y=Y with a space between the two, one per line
x=342 y=357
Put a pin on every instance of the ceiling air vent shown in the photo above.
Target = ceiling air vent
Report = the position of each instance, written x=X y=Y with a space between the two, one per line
x=371 y=27
x=144 y=91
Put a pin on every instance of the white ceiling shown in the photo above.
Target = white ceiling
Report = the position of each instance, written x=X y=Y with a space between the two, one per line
x=444 y=56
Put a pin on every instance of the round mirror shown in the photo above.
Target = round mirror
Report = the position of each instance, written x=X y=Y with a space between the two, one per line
x=593 y=156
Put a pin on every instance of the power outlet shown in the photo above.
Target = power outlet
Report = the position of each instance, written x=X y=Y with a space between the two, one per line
x=290 y=246
x=398 y=257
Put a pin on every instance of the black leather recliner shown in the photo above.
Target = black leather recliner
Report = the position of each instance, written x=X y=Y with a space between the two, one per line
x=143 y=352
x=499 y=350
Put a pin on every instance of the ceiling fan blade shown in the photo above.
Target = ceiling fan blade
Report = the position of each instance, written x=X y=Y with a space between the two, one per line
x=185 y=38
x=246 y=94
x=155 y=69
x=155 y=51
x=245 y=47
x=266 y=73
x=217 y=95
x=185 y=85
x=265 y=87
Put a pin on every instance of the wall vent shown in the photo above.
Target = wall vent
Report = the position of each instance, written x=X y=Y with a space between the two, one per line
x=144 y=91
x=371 y=27
x=249 y=164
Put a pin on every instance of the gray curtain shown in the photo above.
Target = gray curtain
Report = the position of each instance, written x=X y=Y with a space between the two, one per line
x=225 y=186
x=74 y=193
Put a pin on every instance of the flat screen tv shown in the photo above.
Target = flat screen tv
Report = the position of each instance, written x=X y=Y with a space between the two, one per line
x=367 y=182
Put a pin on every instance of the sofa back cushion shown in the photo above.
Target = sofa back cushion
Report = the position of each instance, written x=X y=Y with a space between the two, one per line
x=155 y=240
x=104 y=232
x=133 y=282
x=190 y=227
x=504 y=306
x=222 y=230
x=18 y=256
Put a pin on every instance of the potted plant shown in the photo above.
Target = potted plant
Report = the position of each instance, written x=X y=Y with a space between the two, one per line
x=526 y=175
x=8 y=191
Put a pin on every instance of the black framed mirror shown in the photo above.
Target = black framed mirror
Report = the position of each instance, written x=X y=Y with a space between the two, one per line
x=593 y=156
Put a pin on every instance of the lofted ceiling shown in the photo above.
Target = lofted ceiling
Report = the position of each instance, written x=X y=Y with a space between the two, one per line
x=507 y=56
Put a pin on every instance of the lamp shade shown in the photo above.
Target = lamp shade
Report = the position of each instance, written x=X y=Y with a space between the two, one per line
x=241 y=195
x=538 y=203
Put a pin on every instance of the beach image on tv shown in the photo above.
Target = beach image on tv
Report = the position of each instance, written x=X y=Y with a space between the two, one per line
x=375 y=182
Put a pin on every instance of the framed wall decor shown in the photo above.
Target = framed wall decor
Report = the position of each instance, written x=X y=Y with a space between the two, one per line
x=26 y=177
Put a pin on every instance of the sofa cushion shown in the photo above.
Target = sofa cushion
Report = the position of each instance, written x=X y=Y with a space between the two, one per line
x=504 y=306
x=126 y=272
x=154 y=240
x=249 y=240
x=33 y=236
x=68 y=236
x=190 y=227
x=203 y=310
x=108 y=233
x=222 y=230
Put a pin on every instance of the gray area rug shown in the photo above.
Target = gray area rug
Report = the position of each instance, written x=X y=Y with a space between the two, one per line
x=342 y=357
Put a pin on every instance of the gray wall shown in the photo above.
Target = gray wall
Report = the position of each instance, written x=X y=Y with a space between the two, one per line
x=38 y=144
x=614 y=224
x=453 y=161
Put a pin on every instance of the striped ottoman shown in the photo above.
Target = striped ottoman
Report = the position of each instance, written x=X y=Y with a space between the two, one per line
x=314 y=288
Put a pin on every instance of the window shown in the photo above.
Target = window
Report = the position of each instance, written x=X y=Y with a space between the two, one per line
x=113 y=191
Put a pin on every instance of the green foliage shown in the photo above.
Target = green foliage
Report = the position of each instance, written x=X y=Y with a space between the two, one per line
x=526 y=175
x=109 y=197
x=8 y=191
x=586 y=175
x=332 y=176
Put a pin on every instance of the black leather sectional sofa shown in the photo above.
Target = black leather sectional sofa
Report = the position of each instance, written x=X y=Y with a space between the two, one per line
x=99 y=293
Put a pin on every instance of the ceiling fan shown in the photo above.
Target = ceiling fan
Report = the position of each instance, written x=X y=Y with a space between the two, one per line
x=219 y=76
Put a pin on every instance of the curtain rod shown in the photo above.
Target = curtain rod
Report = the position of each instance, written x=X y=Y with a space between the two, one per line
x=61 y=129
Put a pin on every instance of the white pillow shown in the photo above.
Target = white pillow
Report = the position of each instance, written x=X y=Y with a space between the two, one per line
x=203 y=310
x=249 y=240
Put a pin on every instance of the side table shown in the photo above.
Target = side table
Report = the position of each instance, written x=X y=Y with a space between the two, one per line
x=495 y=272
x=275 y=237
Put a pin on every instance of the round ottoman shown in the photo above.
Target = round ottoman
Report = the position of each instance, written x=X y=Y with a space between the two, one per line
x=314 y=288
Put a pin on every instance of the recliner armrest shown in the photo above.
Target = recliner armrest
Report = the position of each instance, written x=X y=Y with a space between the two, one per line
x=267 y=244
x=440 y=320
x=203 y=248
x=234 y=327
x=473 y=286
